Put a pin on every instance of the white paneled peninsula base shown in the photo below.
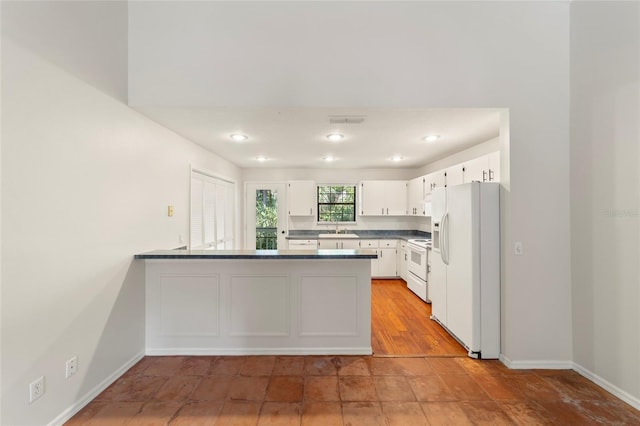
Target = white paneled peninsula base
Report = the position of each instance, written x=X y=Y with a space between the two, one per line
x=258 y=302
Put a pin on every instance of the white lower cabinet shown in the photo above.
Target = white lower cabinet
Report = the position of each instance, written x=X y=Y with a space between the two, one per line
x=402 y=260
x=386 y=265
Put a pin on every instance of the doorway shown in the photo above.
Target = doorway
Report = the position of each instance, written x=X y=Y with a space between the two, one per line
x=266 y=216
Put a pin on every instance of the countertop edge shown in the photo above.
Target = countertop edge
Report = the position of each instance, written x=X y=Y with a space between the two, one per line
x=258 y=254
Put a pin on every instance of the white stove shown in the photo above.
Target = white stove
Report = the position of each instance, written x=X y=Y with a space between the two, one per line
x=424 y=243
x=417 y=266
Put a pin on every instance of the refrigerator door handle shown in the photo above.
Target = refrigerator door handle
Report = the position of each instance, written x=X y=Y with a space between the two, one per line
x=444 y=248
x=441 y=238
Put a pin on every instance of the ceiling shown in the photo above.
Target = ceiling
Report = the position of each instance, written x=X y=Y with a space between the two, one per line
x=296 y=137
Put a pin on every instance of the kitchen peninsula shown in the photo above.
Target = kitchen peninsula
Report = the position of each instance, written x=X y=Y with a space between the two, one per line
x=253 y=302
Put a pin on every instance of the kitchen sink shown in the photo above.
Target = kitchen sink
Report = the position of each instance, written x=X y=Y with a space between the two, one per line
x=339 y=236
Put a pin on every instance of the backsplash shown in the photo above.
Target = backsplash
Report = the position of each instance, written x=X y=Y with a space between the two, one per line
x=364 y=233
x=391 y=223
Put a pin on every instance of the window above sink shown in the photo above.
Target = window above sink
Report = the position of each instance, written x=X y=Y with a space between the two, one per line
x=336 y=204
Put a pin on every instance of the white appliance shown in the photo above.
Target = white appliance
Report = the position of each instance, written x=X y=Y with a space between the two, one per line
x=464 y=284
x=417 y=264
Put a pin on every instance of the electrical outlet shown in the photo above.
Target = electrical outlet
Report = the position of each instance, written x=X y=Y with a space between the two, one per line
x=36 y=389
x=519 y=250
x=71 y=367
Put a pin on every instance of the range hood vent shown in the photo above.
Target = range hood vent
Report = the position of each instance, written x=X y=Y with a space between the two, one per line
x=346 y=119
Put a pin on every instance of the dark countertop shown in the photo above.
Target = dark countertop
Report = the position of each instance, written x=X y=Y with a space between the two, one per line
x=258 y=254
x=363 y=235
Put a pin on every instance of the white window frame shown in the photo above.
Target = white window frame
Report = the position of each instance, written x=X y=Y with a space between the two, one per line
x=357 y=194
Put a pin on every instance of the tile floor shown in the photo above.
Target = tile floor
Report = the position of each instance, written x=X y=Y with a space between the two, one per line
x=349 y=390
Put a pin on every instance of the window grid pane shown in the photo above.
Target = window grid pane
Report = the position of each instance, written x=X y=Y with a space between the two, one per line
x=336 y=203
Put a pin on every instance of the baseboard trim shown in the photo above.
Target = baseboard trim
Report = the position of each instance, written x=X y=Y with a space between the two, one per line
x=90 y=396
x=536 y=364
x=584 y=372
x=258 y=351
x=608 y=386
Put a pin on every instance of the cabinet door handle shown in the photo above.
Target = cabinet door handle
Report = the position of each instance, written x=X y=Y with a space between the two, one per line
x=387 y=211
x=490 y=175
x=484 y=176
x=383 y=210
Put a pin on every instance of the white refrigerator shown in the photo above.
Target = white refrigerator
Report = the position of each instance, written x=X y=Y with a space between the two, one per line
x=465 y=268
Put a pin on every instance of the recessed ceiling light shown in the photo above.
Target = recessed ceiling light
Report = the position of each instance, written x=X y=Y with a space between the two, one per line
x=335 y=137
x=397 y=158
x=239 y=137
x=431 y=138
x=329 y=158
x=261 y=158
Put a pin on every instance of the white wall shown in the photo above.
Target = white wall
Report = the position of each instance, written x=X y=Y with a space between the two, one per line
x=512 y=55
x=85 y=185
x=476 y=151
x=88 y=39
x=605 y=192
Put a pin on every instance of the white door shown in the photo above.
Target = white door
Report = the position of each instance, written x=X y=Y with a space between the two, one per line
x=462 y=284
x=266 y=216
x=212 y=213
x=438 y=287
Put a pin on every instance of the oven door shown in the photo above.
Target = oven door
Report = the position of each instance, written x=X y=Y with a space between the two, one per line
x=417 y=261
x=417 y=286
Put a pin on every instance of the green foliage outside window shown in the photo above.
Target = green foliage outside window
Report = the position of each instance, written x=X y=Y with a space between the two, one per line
x=266 y=220
x=336 y=203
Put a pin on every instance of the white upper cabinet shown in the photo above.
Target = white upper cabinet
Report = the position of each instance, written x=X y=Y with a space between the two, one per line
x=301 y=198
x=483 y=169
x=476 y=170
x=434 y=180
x=383 y=198
x=454 y=175
x=415 y=196
x=494 y=166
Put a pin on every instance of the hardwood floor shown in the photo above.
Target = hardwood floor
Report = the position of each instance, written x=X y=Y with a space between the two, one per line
x=429 y=380
x=400 y=324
